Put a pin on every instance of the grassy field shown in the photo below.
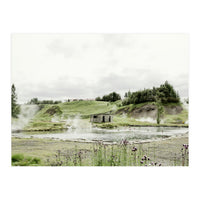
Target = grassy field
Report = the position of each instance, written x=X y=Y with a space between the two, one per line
x=49 y=152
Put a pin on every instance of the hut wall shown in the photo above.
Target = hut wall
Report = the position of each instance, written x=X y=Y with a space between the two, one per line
x=101 y=118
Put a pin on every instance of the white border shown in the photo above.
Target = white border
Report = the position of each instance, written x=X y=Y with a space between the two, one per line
x=99 y=17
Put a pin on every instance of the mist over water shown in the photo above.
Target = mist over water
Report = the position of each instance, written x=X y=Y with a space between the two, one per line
x=132 y=134
x=146 y=119
x=76 y=124
x=27 y=112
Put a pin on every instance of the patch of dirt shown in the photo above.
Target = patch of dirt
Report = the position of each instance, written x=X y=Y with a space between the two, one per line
x=173 y=110
x=54 y=110
x=149 y=111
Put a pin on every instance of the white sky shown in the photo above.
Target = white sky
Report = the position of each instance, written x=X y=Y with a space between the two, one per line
x=62 y=66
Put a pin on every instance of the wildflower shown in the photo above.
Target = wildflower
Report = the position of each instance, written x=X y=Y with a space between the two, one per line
x=148 y=158
x=134 y=149
x=185 y=146
x=124 y=142
x=160 y=164
x=141 y=162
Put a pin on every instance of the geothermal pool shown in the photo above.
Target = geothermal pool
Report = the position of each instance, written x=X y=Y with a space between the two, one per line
x=132 y=134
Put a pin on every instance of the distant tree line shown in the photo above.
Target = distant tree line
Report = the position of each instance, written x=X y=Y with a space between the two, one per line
x=36 y=101
x=110 y=97
x=165 y=93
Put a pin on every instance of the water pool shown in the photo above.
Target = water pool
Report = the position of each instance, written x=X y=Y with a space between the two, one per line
x=133 y=134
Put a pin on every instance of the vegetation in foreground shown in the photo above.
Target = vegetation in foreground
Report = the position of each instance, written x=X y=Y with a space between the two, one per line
x=170 y=152
x=21 y=160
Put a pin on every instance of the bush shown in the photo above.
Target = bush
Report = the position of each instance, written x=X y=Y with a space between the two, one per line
x=54 y=110
x=20 y=160
x=17 y=157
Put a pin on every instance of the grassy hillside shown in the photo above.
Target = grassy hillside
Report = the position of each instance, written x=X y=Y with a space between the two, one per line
x=53 y=117
x=86 y=107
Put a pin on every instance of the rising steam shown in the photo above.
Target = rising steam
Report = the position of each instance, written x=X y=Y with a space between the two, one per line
x=27 y=112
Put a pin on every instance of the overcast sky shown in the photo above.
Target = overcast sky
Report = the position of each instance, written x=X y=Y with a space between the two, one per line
x=62 y=66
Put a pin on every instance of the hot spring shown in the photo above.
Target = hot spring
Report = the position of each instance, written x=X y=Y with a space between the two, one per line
x=132 y=134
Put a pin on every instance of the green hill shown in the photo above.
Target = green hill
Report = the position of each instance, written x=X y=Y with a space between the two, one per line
x=54 y=117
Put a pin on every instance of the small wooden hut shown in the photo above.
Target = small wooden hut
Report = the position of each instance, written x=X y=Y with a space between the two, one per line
x=101 y=118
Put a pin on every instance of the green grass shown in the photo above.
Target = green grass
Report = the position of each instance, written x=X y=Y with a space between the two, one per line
x=21 y=160
x=44 y=126
x=43 y=119
x=119 y=121
x=85 y=107
x=180 y=118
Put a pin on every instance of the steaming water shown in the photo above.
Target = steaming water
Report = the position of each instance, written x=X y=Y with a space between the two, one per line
x=26 y=114
x=133 y=134
x=80 y=130
x=146 y=119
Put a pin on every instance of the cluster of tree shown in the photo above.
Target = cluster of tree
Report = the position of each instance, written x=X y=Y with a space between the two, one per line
x=15 y=108
x=110 y=97
x=165 y=93
x=36 y=101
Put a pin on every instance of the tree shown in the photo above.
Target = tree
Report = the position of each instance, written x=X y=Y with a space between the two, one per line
x=34 y=101
x=112 y=97
x=15 y=109
x=160 y=109
x=98 y=99
x=165 y=92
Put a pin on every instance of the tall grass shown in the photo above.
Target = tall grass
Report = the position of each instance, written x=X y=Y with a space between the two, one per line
x=123 y=154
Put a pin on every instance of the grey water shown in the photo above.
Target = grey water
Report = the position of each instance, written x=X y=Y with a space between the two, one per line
x=132 y=134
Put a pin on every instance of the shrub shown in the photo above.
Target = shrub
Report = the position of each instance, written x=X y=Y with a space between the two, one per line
x=20 y=160
x=54 y=110
x=17 y=157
